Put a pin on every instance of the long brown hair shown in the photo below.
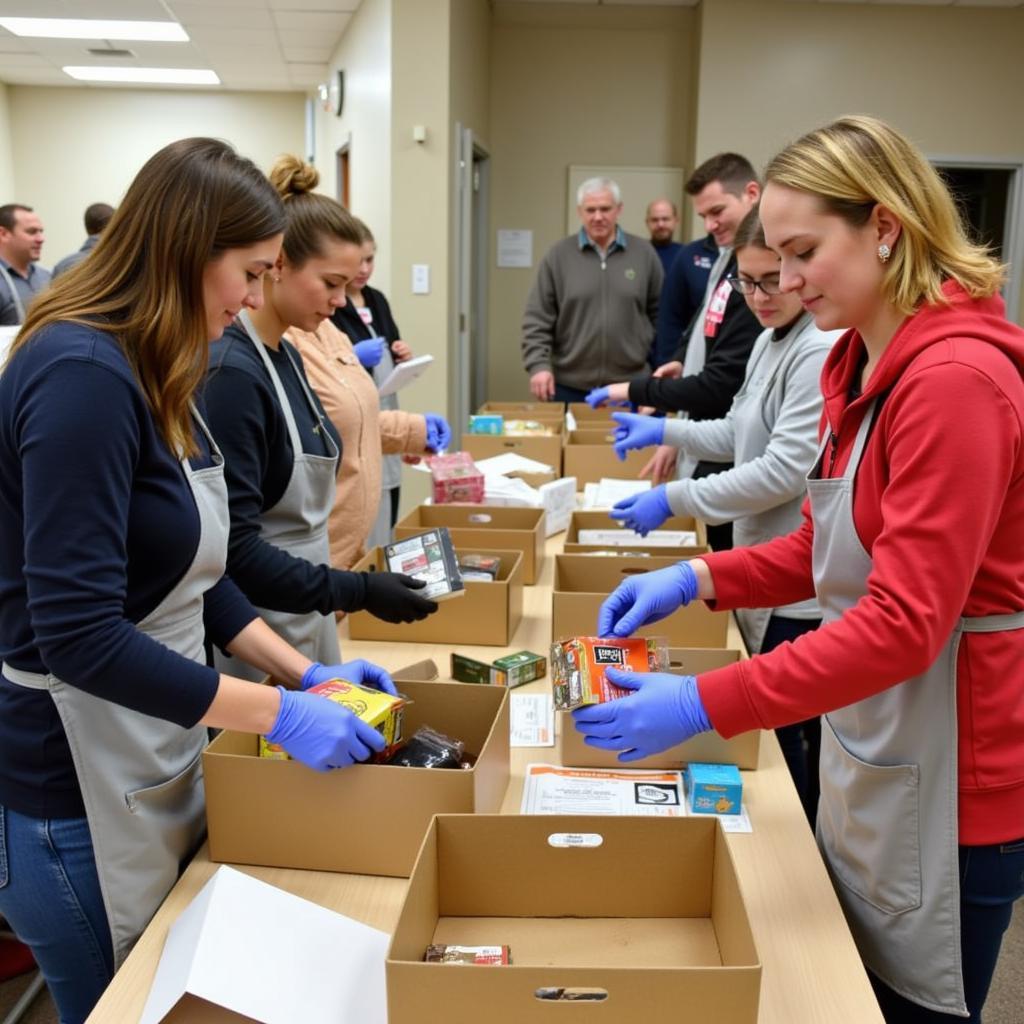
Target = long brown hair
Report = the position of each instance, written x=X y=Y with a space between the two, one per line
x=143 y=282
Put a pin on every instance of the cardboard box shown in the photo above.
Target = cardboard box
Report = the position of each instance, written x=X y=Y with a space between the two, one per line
x=492 y=526
x=599 y=418
x=368 y=819
x=488 y=615
x=742 y=751
x=648 y=911
x=600 y=520
x=582 y=582
x=526 y=410
x=544 y=449
x=589 y=456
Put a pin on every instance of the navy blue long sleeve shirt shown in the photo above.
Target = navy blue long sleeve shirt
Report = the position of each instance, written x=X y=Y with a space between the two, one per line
x=98 y=526
x=248 y=423
x=682 y=295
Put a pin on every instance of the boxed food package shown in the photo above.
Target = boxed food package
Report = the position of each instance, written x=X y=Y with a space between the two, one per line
x=714 y=788
x=487 y=423
x=456 y=478
x=529 y=428
x=479 y=956
x=428 y=556
x=484 y=528
x=743 y=750
x=639 y=918
x=489 y=616
x=375 y=707
x=578 y=666
x=483 y=568
x=615 y=537
x=367 y=819
x=510 y=671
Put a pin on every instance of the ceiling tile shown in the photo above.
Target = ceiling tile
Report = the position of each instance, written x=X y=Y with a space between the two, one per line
x=311 y=21
x=217 y=16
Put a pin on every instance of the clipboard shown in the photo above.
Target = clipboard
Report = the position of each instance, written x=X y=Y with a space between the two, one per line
x=404 y=374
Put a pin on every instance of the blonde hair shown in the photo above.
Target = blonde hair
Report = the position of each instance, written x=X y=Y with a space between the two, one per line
x=143 y=283
x=858 y=162
x=310 y=217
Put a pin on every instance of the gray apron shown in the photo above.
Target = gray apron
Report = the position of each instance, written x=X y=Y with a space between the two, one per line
x=753 y=427
x=887 y=820
x=390 y=465
x=19 y=306
x=696 y=349
x=297 y=524
x=140 y=776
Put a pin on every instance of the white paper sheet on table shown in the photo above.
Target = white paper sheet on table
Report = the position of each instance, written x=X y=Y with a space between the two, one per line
x=511 y=462
x=404 y=374
x=554 y=789
x=533 y=720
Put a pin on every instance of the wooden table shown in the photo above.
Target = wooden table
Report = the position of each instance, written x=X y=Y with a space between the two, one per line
x=812 y=972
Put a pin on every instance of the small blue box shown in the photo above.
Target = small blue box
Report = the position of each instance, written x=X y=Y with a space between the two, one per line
x=489 y=423
x=714 y=788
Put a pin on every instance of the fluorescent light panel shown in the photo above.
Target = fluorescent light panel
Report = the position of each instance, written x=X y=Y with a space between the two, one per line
x=159 y=76
x=87 y=28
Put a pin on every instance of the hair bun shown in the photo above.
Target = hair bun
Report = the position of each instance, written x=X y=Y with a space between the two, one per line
x=293 y=177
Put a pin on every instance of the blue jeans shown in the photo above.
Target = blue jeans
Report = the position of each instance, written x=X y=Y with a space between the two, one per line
x=50 y=896
x=991 y=880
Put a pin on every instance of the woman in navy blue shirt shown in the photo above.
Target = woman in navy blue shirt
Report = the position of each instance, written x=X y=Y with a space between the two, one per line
x=113 y=542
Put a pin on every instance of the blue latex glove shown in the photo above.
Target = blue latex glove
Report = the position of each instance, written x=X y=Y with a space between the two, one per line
x=646 y=598
x=663 y=710
x=599 y=396
x=635 y=431
x=439 y=434
x=369 y=352
x=365 y=673
x=643 y=512
x=321 y=733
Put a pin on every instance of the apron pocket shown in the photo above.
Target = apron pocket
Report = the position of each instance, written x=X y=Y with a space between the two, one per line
x=869 y=826
x=168 y=796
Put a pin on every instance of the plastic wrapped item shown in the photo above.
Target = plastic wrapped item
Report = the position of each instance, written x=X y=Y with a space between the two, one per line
x=482 y=568
x=428 y=748
x=527 y=428
x=578 y=666
x=456 y=478
x=480 y=956
x=429 y=557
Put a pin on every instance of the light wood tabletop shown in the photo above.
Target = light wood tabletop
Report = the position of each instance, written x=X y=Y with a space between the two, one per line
x=811 y=970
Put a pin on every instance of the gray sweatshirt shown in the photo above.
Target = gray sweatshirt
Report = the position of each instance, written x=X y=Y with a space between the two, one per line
x=589 y=320
x=770 y=433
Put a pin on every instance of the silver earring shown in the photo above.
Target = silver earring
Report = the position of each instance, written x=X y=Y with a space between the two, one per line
x=277 y=277
x=884 y=252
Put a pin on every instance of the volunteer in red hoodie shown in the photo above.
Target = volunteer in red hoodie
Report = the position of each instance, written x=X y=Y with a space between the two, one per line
x=911 y=543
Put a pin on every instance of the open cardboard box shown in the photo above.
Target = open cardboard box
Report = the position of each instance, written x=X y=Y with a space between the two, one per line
x=488 y=613
x=600 y=520
x=599 y=418
x=368 y=819
x=526 y=410
x=647 y=911
x=589 y=456
x=582 y=582
x=493 y=526
x=543 y=448
x=742 y=751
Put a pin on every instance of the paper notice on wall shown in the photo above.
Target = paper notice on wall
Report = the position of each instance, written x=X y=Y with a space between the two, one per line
x=515 y=247
x=533 y=720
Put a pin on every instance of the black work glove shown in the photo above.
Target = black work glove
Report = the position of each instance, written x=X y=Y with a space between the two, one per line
x=392 y=596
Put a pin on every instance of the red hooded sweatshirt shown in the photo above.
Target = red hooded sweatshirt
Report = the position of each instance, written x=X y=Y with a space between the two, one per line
x=939 y=506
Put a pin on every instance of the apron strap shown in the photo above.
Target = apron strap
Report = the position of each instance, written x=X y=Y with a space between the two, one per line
x=30 y=680
x=993 y=623
x=19 y=306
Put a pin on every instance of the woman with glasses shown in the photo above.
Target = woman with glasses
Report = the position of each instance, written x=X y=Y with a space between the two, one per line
x=911 y=544
x=770 y=434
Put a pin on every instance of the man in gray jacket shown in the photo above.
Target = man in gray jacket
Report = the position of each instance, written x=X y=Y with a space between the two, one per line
x=591 y=312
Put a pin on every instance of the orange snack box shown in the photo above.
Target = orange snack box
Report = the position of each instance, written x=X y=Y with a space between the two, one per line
x=578 y=666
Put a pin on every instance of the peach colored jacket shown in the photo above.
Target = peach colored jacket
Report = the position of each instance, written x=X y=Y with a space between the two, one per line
x=349 y=397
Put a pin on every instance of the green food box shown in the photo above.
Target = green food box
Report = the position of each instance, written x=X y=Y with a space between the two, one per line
x=509 y=671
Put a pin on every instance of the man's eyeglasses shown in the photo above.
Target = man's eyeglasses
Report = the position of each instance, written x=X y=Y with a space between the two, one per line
x=744 y=285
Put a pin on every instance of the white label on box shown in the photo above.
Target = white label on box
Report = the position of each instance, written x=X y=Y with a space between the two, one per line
x=532 y=720
x=577 y=839
x=621 y=538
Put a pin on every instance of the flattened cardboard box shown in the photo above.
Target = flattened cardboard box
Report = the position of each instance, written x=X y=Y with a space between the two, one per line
x=600 y=520
x=544 y=449
x=589 y=456
x=582 y=582
x=742 y=751
x=493 y=526
x=488 y=614
x=368 y=819
x=670 y=942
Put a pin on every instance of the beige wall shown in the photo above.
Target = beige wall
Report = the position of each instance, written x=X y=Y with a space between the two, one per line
x=950 y=77
x=364 y=53
x=72 y=147
x=470 y=80
x=6 y=166
x=574 y=85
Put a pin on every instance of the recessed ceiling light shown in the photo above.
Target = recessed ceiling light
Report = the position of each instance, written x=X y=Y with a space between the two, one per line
x=158 y=76
x=88 y=28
